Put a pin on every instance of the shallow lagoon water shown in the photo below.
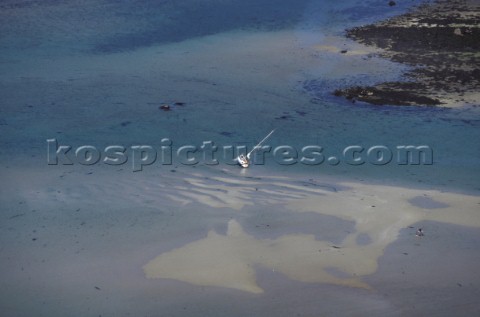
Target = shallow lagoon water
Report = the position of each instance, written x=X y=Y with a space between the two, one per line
x=75 y=239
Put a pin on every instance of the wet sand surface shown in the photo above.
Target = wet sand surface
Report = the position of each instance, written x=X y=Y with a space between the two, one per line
x=264 y=244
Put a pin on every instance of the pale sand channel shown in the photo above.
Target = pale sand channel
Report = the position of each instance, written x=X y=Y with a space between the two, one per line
x=210 y=239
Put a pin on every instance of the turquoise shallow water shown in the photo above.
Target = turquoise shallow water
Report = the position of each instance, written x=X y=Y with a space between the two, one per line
x=101 y=104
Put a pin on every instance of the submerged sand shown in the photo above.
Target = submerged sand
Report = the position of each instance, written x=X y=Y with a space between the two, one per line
x=212 y=236
x=378 y=212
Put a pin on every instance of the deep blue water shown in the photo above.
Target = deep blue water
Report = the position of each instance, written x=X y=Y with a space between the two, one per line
x=116 y=108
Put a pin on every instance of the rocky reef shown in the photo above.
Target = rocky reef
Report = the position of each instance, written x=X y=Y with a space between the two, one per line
x=441 y=41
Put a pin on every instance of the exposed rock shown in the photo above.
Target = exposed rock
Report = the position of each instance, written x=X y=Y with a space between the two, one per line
x=441 y=41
